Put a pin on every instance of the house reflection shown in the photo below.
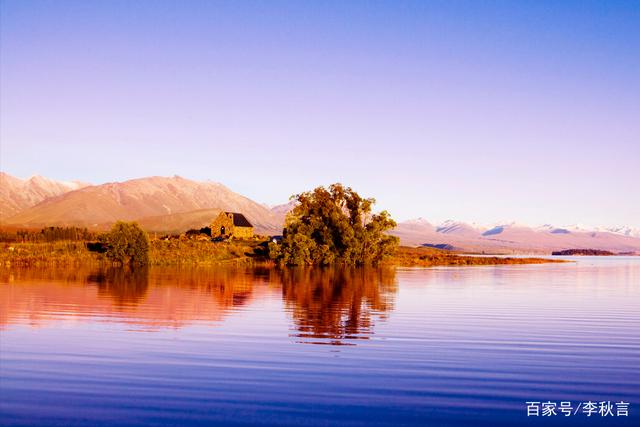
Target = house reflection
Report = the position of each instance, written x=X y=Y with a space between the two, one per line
x=149 y=300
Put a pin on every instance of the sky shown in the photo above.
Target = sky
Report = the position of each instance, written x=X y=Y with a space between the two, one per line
x=485 y=112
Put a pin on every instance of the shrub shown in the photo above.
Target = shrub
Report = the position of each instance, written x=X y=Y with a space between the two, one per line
x=127 y=244
x=335 y=225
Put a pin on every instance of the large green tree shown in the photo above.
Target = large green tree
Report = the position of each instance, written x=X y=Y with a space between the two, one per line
x=127 y=244
x=334 y=225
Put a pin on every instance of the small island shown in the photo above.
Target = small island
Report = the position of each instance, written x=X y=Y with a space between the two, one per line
x=583 y=252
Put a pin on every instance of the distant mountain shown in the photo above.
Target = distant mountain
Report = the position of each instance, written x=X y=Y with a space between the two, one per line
x=175 y=204
x=280 y=211
x=415 y=227
x=284 y=208
x=147 y=199
x=625 y=231
x=515 y=238
x=18 y=194
x=456 y=228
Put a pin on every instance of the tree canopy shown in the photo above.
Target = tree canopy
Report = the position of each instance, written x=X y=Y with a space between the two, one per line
x=334 y=225
x=127 y=244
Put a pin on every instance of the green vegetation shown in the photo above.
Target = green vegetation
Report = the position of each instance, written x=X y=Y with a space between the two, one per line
x=126 y=244
x=334 y=225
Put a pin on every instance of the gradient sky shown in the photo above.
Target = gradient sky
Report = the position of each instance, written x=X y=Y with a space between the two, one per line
x=479 y=111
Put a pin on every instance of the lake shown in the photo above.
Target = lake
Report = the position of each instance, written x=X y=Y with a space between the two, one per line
x=350 y=347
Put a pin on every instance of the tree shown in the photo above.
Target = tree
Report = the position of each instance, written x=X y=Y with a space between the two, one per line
x=127 y=244
x=335 y=225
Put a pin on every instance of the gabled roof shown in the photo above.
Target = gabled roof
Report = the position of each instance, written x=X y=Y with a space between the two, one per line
x=240 y=220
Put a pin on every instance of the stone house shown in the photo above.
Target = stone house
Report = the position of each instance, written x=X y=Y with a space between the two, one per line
x=231 y=224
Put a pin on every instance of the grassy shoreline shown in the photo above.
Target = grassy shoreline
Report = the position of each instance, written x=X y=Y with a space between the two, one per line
x=429 y=257
x=231 y=253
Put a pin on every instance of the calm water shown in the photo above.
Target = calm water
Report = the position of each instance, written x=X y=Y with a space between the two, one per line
x=442 y=346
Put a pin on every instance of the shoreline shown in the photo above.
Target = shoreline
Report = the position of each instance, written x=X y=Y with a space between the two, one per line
x=237 y=253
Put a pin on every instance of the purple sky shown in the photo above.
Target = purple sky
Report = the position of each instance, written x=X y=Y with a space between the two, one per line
x=478 y=111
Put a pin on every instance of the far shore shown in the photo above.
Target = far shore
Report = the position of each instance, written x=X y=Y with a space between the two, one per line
x=187 y=252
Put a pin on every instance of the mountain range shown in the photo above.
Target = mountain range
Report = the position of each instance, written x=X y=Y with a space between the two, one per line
x=18 y=194
x=158 y=203
x=175 y=204
x=516 y=238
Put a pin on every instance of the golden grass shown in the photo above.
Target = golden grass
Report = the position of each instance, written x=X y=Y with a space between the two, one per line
x=170 y=252
x=46 y=254
x=430 y=257
x=204 y=253
x=194 y=252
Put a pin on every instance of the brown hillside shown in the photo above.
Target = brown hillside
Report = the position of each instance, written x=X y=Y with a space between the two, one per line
x=144 y=198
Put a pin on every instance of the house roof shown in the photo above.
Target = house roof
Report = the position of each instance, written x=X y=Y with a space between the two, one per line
x=240 y=220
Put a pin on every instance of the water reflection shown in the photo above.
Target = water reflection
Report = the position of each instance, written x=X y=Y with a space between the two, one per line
x=125 y=286
x=328 y=306
x=464 y=346
x=337 y=304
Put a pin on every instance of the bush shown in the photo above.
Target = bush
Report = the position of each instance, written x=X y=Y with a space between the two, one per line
x=335 y=225
x=127 y=244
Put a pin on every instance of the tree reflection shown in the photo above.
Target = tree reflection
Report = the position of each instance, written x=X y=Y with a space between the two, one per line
x=125 y=286
x=337 y=305
x=329 y=306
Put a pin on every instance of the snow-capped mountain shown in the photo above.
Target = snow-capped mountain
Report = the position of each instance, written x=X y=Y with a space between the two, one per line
x=509 y=237
x=624 y=231
x=18 y=194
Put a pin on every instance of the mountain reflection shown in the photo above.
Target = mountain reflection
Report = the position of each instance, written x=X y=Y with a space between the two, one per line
x=329 y=306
